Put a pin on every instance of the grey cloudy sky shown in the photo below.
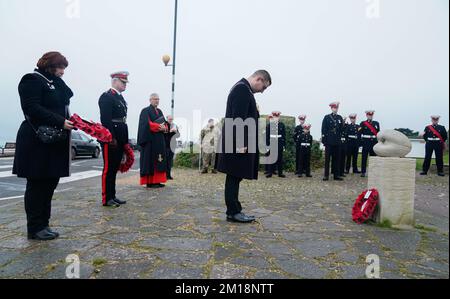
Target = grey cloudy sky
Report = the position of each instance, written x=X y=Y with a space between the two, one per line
x=316 y=50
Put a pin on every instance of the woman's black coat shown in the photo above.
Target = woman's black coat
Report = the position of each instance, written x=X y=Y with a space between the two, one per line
x=45 y=99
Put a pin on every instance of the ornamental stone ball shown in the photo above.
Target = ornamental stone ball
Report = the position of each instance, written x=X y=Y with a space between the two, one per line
x=392 y=143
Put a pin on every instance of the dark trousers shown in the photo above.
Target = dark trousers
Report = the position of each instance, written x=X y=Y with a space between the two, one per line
x=366 y=151
x=170 y=156
x=38 y=203
x=278 y=165
x=112 y=156
x=342 y=156
x=332 y=153
x=435 y=147
x=232 y=195
x=304 y=160
x=297 y=159
x=352 y=157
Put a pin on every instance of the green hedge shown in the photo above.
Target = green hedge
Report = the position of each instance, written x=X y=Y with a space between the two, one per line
x=187 y=159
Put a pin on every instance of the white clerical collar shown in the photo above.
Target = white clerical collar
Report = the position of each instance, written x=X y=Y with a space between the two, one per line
x=116 y=91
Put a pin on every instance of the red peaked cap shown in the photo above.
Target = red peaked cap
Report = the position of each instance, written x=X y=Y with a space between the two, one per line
x=123 y=76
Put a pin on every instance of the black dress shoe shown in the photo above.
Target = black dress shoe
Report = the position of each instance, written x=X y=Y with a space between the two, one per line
x=363 y=175
x=120 y=202
x=43 y=235
x=338 y=178
x=282 y=176
x=356 y=171
x=240 y=218
x=52 y=231
x=347 y=172
x=423 y=173
x=170 y=178
x=300 y=175
x=111 y=203
x=309 y=176
x=214 y=171
x=326 y=179
x=268 y=176
x=441 y=174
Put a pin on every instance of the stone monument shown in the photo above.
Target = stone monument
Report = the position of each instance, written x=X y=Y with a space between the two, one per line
x=394 y=177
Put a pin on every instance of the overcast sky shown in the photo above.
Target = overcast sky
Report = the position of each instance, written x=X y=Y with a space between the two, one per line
x=395 y=60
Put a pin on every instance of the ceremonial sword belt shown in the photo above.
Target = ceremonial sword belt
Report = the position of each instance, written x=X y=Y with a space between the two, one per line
x=368 y=136
x=305 y=144
x=120 y=120
x=276 y=136
x=434 y=139
x=353 y=136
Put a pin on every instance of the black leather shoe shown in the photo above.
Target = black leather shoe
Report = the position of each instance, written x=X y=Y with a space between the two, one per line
x=268 y=176
x=309 y=176
x=120 y=202
x=52 y=231
x=43 y=235
x=356 y=171
x=423 y=173
x=170 y=178
x=300 y=175
x=326 y=178
x=214 y=171
x=282 y=176
x=347 y=172
x=363 y=175
x=441 y=174
x=338 y=178
x=111 y=203
x=240 y=218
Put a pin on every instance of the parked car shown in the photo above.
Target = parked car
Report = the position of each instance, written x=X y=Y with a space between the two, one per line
x=83 y=145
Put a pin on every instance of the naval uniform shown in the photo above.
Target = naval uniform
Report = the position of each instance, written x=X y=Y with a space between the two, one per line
x=276 y=133
x=368 y=132
x=435 y=144
x=332 y=127
x=353 y=144
x=113 y=114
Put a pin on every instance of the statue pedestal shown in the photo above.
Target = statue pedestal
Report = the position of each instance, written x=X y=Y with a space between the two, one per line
x=395 y=179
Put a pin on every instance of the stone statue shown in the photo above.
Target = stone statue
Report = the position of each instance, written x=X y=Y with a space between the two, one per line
x=392 y=143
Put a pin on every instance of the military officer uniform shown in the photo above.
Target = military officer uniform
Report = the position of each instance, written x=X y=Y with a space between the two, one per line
x=276 y=133
x=435 y=136
x=113 y=115
x=368 y=130
x=297 y=132
x=332 y=127
x=353 y=144
x=304 y=145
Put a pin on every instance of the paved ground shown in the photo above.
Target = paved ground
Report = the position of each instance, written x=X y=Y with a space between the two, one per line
x=304 y=231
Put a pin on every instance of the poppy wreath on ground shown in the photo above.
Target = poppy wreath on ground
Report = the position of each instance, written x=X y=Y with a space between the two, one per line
x=128 y=160
x=93 y=129
x=365 y=206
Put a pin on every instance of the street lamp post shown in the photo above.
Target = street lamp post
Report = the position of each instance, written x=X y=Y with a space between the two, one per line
x=166 y=58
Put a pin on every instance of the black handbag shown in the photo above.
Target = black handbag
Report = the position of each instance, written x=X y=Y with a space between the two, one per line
x=48 y=134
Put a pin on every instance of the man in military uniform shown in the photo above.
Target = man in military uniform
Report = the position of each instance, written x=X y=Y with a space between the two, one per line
x=276 y=132
x=332 y=127
x=305 y=142
x=343 y=150
x=208 y=136
x=113 y=115
x=368 y=130
x=435 y=136
x=353 y=144
x=297 y=132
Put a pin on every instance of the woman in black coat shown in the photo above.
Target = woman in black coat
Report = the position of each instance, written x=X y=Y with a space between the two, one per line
x=45 y=99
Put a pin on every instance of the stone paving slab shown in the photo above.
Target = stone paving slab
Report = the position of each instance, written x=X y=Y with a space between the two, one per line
x=304 y=230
